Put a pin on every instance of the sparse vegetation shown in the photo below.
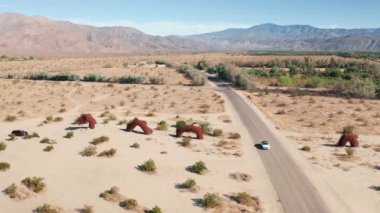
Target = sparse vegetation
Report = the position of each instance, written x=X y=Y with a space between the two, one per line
x=48 y=148
x=10 y=118
x=111 y=195
x=89 y=151
x=3 y=146
x=198 y=168
x=35 y=184
x=33 y=135
x=190 y=185
x=4 y=166
x=11 y=191
x=246 y=199
x=348 y=130
x=129 y=204
x=149 y=166
x=211 y=200
x=99 y=140
x=47 y=208
x=350 y=152
x=69 y=135
x=186 y=141
x=198 y=78
x=135 y=145
x=180 y=123
x=162 y=126
x=108 y=153
x=156 y=209
x=217 y=132
x=306 y=148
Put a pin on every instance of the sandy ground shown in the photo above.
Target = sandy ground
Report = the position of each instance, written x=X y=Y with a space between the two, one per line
x=73 y=180
x=314 y=122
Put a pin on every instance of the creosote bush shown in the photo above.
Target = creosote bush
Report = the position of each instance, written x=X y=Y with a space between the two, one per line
x=4 y=166
x=162 y=126
x=33 y=135
x=108 y=153
x=211 y=200
x=180 y=123
x=11 y=191
x=148 y=166
x=69 y=135
x=3 y=146
x=217 y=132
x=198 y=168
x=350 y=151
x=99 y=140
x=47 y=208
x=306 y=148
x=189 y=184
x=156 y=209
x=129 y=204
x=348 y=130
x=35 y=184
x=186 y=141
x=246 y=199
x=48 y=148
x=135 y=145
x=88 y=151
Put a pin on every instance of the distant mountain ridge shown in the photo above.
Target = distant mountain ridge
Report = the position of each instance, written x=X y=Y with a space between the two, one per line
x=292 y=37
x=36 y=34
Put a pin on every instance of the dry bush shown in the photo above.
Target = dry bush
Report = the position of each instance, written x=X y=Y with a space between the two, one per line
x=107 y=153
x=129 y=204
x=211 y=200
x=4 y=166
x=247 y=200
x=112 y=195
x=149 y=166
x=99 y=140
x=135 y=145
x=35 y=184
x=240 y=176
x=10 y=118
x=88 y=151
x=47 y=208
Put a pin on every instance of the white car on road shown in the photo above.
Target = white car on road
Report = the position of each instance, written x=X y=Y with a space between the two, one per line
x=264 y=145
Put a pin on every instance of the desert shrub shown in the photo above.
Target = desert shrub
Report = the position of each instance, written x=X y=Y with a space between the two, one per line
x=206 y=127
x=122 y=122
x=306 y=148
x=135 y=145
x=39 y=76
x=350 y=151
x=107 y=153
x=4 y=166
x=197 y=77
x=348 y=129
x=11 y=191
x=217 y=132
x=189 y=184
x=131 y=79
x=3 y=146
x=234 y=135
x=108 y=194
x=199 y=167
x=88 y=151
x=12 y=137
x=163 y=62
x=156 y=209
x=33 y=135
x=125 y=64
x=186 y=141
x=157 y=80
x=10 y=118
x=315 y=81
x=47 y=208
x=58 y=119
x=99 y=140
x=87 y=209
x=286 y=81
x=246 y=199
x=211 y=200
x=46 y=141
x=150 y=114
x=201 y=65
x=180 y=123
x=35 y=184
x=48 y=148
x=129 y=204
x=357 y=87
x=333 y=73
x=162 y=125
x=148 y=166
x=94 y=78
x=64 y=76
x=69 y=135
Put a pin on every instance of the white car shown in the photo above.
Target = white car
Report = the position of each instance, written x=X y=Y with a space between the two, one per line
x=264 y=145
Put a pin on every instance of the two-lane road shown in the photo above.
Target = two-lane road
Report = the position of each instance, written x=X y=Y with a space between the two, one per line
x=296 y=193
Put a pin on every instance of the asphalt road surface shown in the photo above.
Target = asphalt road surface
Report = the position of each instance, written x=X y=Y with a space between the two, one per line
x=296 y=193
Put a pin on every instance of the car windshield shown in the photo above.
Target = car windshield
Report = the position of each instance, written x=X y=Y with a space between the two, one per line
x=264 y=142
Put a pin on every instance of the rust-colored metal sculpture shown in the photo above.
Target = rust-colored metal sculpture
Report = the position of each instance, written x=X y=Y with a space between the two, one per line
x=86 y=118
x=352 y=138
x=142 y=124
x=190 y=128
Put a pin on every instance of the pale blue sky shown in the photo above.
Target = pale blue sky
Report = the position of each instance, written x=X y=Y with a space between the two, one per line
x=165 y=17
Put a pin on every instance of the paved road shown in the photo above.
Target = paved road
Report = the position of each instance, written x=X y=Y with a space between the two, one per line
x=295 y=191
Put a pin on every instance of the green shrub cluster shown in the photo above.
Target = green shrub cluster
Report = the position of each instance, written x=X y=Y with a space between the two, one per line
x=198 y=78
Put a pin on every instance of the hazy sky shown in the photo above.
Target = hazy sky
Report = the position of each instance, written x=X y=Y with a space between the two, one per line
x=167 y=17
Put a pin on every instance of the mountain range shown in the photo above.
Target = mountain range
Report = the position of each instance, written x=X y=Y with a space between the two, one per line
x=36 y=35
